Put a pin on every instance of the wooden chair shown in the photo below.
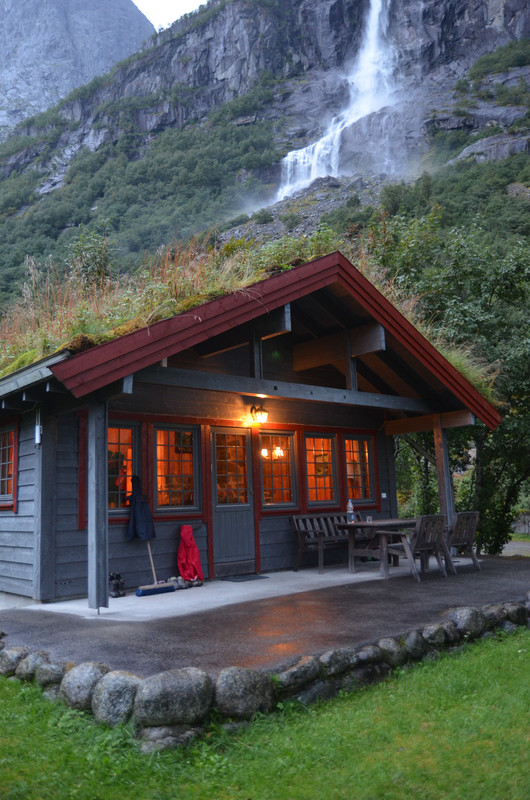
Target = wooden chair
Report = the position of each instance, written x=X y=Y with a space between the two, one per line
x=461 y=536
x=426 y=539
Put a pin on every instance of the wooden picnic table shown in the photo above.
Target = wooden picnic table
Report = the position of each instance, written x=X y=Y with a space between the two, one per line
x=382 y=528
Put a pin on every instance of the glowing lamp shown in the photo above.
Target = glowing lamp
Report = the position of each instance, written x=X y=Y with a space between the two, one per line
x=259 y=414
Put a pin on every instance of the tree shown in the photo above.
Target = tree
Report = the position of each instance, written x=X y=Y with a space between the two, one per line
x=475 y=297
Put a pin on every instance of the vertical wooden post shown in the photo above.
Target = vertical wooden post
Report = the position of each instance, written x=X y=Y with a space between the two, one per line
x=445 y=489
x=98 y=578
x=351 y=364
x=44 y=519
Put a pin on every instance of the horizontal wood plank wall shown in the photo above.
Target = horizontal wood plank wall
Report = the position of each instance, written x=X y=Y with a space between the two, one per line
x=17 y=552
x=131 y=559
x=70 y=543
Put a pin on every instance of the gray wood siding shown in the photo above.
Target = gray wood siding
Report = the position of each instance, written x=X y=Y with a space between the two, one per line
x=131 y=559
x=17 y=541
x=70 y=544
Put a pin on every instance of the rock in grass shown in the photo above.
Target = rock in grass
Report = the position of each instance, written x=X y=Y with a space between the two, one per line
x=10 y=658
x=28 y=666
x=338 y=660
x=113 y=697
x=78 y=684
x=179 y=696
x=470 y=622
x=240 y=692
x=49 y=674
x=434 y=635
x=305 y=670
x=516 y=613
x=394 y=653
x=414 y=645
x=495 y=614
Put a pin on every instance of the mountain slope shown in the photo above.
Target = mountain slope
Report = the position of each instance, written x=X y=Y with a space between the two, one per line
x=191 y=131
x=51 y=46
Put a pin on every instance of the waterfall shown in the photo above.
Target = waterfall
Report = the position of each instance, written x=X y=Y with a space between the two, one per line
x=371 y=87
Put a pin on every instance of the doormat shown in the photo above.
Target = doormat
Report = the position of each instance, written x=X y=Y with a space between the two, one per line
x=241 y=578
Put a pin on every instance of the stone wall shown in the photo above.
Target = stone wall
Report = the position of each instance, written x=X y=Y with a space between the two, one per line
x=172 y=708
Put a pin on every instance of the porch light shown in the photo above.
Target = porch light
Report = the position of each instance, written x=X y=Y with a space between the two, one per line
x=259 y=414
x=264 y=453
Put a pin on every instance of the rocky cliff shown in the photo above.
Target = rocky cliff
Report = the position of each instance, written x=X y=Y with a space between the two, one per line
x=49 y=47
x=222 y=52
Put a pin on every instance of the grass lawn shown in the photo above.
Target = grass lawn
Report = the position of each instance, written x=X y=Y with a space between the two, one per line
x=520 y=537
x=452 y=729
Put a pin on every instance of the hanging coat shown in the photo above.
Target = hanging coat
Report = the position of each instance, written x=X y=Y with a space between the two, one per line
x=141 y=525
x=188 y=559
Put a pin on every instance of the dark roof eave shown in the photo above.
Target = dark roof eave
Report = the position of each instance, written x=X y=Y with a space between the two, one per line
x=29 y=376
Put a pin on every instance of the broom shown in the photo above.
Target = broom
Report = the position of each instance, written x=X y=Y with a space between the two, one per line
x=154 y=588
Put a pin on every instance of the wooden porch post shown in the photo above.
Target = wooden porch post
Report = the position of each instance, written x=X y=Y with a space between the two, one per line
x=445 y=489
x=98 y=579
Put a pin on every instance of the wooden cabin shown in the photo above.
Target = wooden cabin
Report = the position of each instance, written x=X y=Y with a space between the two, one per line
x=278 y=399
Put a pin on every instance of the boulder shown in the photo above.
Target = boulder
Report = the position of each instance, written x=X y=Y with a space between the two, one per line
x=434 y=635
x=27 y=667
x=240 y=692
x=470 y=622
x=516 y=613
x=48 y=674
x=305 y=670
x=370 y=654
x=78 y=684
x=179 y=696
x=394 y=653
x=414 y=645
x=10 y=658
x=113 y=697
x=495 y=615
x=339 y=660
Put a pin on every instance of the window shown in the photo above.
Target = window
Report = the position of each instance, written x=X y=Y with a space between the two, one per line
x=231 y=468
x=120 y=465
x=277 y=468
x=176 y=468
x=320 y=468
x=7 y=464
x=359 y=468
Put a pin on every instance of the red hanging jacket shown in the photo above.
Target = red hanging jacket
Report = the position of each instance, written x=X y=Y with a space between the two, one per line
x=188 y=559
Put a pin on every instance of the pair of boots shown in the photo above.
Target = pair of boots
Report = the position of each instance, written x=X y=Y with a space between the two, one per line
x=116 y=585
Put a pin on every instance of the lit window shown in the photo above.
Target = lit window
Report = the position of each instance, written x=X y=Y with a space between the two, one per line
x=231 y=469
x=358 y=468
x=175 y=468
x=7 y=463
x=320 y=468
x=120 y=466
x=277 y=468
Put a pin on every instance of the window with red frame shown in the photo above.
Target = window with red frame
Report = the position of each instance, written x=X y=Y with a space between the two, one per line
x=359 y=468
x=320 y=469
x=7 y=464
x=120 y=465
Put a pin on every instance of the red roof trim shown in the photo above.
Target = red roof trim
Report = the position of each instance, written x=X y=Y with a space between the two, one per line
x=96 y=368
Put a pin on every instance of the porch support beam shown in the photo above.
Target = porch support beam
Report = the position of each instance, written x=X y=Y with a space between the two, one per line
x=275 y=323
x=191 y=379
x=443 y=472
x=449 y=419
x=362 y=340
x=97 y=506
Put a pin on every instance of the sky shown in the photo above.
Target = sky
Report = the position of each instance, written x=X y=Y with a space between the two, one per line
x=164 y=12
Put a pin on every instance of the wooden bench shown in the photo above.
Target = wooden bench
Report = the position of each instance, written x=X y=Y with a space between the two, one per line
x=318 y=532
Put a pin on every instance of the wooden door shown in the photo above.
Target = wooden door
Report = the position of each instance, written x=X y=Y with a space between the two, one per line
x=234 y=542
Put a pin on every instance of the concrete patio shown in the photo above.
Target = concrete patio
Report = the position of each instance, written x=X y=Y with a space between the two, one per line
x=262 y=623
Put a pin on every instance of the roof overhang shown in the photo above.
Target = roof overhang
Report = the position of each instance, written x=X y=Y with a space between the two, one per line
x=97 y=368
